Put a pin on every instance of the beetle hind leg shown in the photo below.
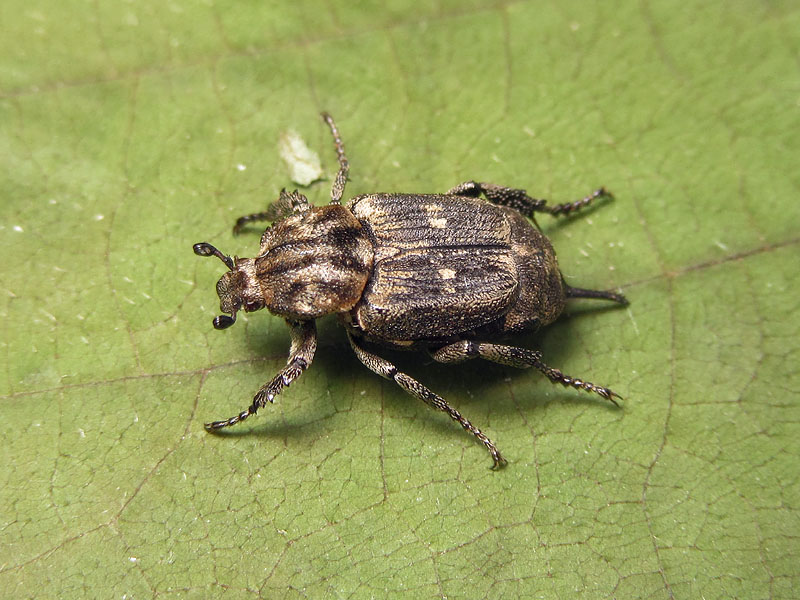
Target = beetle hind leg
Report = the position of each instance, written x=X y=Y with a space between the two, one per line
x=572 y=292
x=387 y=370
x=519 y=199
x=521 y=358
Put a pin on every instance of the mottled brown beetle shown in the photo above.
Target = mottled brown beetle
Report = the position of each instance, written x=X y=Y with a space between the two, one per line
x=435 y=271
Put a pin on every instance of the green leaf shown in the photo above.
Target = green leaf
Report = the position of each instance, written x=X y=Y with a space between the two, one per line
x=130 y=131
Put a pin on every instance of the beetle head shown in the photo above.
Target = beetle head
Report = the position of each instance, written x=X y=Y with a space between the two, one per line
x=237 y=288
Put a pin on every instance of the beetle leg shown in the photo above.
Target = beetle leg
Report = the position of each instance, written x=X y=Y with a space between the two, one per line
x=304 y=344
x=344 y=165
x=265 y=215
x=387 y=370
x=519 y=199
x=522 y=358
x=573 y=292
x=286 y=204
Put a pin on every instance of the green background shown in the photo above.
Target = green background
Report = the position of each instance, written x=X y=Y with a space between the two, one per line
x=130 y=130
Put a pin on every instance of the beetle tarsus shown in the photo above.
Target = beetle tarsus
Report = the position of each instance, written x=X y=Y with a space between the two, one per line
x=337 y=191
x=216 y=425
x=572 y=292
x=570 y=207
x=519 y=199
x=520 y=358
x=242 y=221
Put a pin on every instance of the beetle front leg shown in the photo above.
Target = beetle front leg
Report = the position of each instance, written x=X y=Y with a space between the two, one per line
x=337 y=191
x=387 y=370
x=304 y=344
x=286 y=204
x=521 y=358
x=519 y=199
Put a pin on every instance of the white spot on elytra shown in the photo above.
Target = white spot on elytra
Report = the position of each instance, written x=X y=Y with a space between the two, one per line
x=447 y=273
x=438 y=223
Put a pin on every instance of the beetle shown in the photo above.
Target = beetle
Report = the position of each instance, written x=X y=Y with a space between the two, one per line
x=445 y=273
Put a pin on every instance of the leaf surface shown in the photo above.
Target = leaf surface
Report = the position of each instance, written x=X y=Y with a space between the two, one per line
x=130 y=131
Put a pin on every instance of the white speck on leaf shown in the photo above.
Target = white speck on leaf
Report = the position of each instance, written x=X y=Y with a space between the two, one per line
x=303 y=163
x=633 y=321
x=17 y=228
x=99 y=217
x=241 y=167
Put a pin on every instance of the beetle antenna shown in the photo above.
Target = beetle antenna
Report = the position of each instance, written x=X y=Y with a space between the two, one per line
x=206 y=249
x=224 y=321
